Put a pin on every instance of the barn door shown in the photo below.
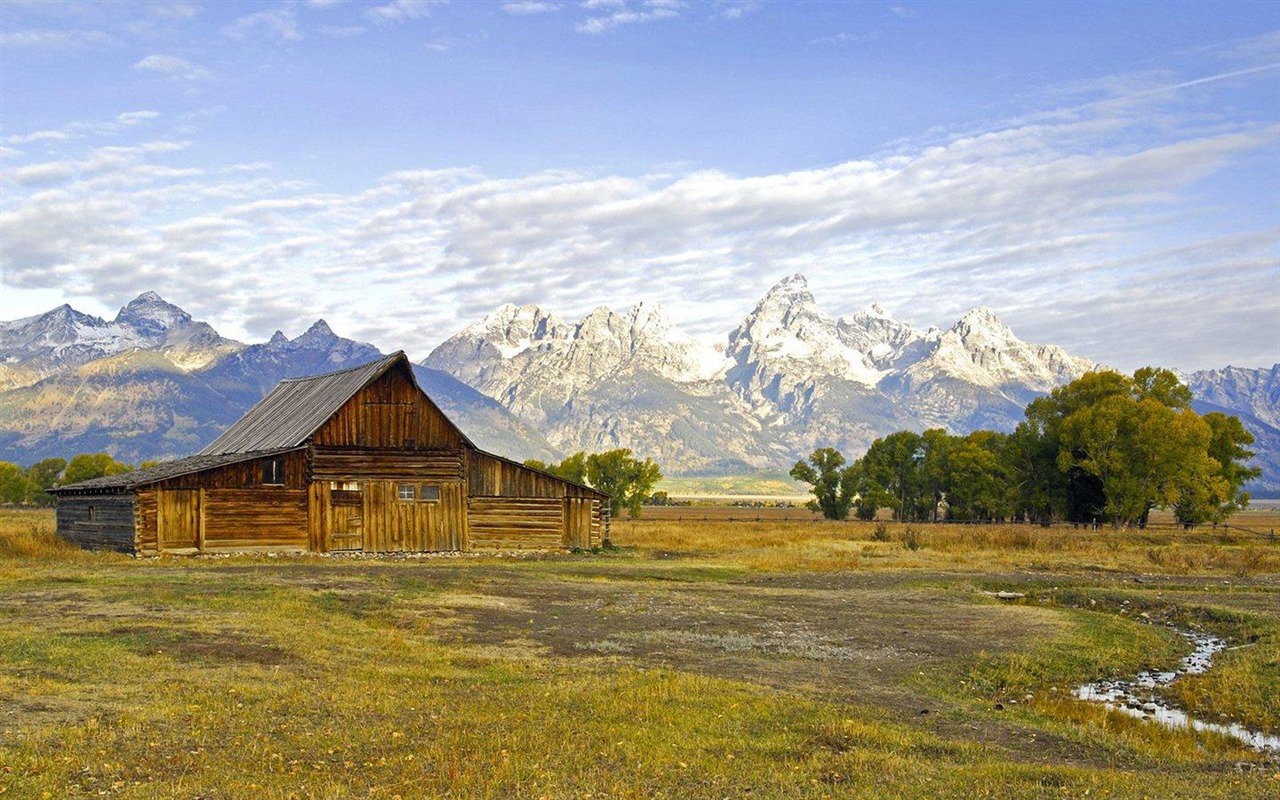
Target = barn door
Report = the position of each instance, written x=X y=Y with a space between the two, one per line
x=178 y=519
x=346 y=520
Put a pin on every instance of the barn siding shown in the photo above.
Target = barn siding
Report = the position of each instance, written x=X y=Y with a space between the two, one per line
x=516 y=523
x=244 y=475
x=388 y=433
x=491 y=476
x=354 y=464
x=391 y=412
x=109 y=526
x=237 y=519
x=146 y=521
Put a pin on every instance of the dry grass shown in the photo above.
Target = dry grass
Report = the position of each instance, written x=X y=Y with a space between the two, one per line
x=773 y=545
x=753 y=669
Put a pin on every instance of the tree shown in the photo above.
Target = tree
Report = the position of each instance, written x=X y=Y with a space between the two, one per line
x=618 y=473
x=92 y=465
x=978 y=485
x=43 y=475
x=890 y=473
x=1215 y=500
x=833 y=484
x=1144 y=452
x=572 y=468
x=14 y=484
x=625 y=478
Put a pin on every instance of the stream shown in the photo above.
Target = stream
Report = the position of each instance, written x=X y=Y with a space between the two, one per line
x=1136 y=697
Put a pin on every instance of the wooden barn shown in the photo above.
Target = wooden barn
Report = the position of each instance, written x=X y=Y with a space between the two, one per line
x=351 y=461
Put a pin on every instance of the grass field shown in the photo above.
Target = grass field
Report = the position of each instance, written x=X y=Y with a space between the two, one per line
x=699 y=659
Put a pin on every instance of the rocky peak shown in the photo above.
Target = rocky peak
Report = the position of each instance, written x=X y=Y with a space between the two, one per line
x=788 y=340
x=319 y=334
x=983 y=323
x=278 y=338
x=152 y=316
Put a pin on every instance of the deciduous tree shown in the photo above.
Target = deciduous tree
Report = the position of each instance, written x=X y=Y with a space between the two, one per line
x=833 y=484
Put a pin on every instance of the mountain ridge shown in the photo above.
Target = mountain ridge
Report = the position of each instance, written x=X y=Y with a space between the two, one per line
x=522 y=381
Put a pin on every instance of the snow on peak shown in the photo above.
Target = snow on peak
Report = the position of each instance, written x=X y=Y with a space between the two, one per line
x=787 y=334
x=980 y=349
x=152 y=316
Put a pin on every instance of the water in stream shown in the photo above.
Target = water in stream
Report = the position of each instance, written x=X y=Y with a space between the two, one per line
x=1137 y=698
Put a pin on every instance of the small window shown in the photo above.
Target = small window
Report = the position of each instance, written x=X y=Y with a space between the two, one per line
x=344 y=486
x=93 y=513
x=273 y=472
x=429 y=494
x=404 y=491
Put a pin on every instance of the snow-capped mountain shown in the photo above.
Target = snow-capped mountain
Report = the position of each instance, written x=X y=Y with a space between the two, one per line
x=609 y=380
x=167 y=386
x=791 y=377
x=35 y=347
x=526 y=383
x=1253 y=391
x=536 y=363
x=978 y=374
x=1253 y=395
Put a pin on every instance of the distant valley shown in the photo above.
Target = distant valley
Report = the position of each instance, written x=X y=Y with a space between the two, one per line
x=154 y=383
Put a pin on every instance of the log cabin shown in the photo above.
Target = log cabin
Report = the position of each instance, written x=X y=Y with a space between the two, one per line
x=359 y=460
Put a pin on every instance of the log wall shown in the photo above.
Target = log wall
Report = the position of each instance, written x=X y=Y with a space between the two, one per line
x=516 y=523
x=97 y=522
x=239 y=520
x=358 y=464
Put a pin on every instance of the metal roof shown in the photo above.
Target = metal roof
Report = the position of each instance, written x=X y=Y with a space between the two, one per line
x=160 y=472
x=297 y=407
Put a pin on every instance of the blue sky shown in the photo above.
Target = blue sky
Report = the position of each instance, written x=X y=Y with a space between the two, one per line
x=1105 y=176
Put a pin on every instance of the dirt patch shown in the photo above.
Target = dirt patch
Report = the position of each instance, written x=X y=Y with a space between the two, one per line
x=201 y=647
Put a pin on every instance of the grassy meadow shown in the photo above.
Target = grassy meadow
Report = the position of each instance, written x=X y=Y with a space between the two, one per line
x=712 y=658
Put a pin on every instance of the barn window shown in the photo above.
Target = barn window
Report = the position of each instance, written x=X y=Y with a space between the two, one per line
x=429 y=494
x=344 y=486
x=273 y=472
x=404 y=491
x=93 y=514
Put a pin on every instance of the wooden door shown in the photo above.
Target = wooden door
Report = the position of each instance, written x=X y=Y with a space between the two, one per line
x=178 y=520
x=346 y=520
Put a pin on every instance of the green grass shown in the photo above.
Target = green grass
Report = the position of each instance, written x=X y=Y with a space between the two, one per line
x=310 y=677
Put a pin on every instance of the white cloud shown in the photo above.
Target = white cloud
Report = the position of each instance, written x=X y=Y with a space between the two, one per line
x=401 y=10
x=979 y=219
x=173 y=67
x=530 y=7
x=273 y=23
x=843 y=38
x=902 y=12
x=37 y=136
x=136 y=117
x=48 y=38
x=736 y=9
x=622 y=14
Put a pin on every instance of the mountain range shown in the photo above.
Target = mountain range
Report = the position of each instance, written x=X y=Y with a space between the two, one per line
x=154 y=383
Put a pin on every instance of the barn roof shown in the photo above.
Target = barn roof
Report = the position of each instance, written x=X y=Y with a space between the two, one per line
x=296 y=408
x=160 y=472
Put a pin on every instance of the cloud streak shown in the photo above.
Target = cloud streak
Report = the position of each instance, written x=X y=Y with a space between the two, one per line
x=1026 y=218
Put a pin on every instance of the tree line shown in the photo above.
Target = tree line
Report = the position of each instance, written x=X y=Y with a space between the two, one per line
x=618 y=473
x=1105 y=447
x=26 y=486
